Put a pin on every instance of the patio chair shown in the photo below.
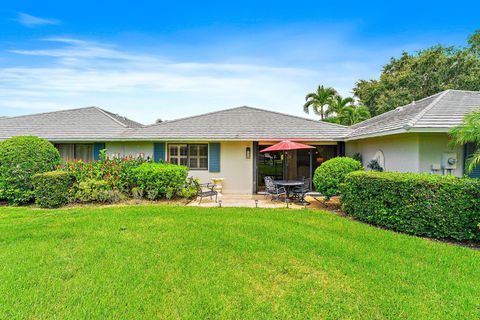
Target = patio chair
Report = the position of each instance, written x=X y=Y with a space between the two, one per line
x=300 y=192
x=205 y=190
x=273 y=190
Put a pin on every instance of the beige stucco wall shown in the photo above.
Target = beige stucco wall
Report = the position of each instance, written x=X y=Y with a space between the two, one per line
x=234 y=168
x=130 y=148
x=401 y=151
x=409 y=152
x=432 y=146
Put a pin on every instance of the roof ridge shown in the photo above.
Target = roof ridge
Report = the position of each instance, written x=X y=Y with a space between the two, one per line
x=358 y=125
x=114 y=115
x=46 y=112
x=461 y=90
x=415 y=119
x=110 y=116
x=243 y=107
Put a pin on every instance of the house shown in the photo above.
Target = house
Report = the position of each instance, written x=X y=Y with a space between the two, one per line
x=223 y=144
x=414 y=138
x=226 y=144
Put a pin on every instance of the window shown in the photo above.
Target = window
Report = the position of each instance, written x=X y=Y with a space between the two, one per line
x=178 y=154
x=194 y=156
x=75 y=151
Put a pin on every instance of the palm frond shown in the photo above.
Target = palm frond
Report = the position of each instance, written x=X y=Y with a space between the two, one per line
x=307 y=105
x=468 y=131
x=473 y=161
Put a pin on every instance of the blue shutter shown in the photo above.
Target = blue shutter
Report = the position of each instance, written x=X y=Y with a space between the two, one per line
x=214 y=157
x=469 y=150
x=97 y=147
x=159 y=151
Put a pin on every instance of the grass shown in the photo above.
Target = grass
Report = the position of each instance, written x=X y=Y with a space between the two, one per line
x=136 y=262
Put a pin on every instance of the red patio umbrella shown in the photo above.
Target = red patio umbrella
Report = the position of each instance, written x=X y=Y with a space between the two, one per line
x=286 y=145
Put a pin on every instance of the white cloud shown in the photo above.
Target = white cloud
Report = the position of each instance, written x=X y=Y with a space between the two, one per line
x=30 y=21
x=144 y=87
x=69 y=72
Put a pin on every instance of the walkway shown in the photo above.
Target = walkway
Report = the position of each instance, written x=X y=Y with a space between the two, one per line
x=249 y=201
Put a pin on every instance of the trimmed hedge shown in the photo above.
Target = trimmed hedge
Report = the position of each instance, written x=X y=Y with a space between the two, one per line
x=443 y=207
x=159 y=180
x=331 y=174
x=51 y=188
x=20 y=159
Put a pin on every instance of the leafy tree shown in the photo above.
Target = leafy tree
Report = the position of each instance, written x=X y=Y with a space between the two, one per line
x=320 y=100
x=469 y=132
x=474 y=42
x=351 y=115
x=426 y=72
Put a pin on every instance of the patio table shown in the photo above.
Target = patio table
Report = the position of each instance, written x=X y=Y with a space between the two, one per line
x=288 y=184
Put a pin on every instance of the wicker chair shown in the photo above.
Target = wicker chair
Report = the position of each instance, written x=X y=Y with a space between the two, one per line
x=272 y=190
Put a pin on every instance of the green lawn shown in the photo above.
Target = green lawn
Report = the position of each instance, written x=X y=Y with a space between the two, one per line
x=181 y=262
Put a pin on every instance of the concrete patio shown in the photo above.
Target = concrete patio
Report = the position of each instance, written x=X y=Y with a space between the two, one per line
x=249 y=201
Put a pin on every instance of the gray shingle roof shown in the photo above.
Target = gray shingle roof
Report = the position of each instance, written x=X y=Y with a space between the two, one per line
x=86 y=124
x=243 y=123
x=439 y=112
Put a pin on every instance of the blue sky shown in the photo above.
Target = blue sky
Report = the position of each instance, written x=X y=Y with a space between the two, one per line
x=169 y=59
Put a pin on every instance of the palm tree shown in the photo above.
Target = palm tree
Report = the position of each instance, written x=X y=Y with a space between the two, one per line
x=469 y=132
x=350 y=115
x=319 y=100
x=337 y=104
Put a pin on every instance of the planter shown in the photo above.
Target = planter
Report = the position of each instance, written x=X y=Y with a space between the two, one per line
x=218 y=182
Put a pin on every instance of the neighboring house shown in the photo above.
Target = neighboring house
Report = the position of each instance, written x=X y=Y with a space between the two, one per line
x=226 y=144
x=414 y=138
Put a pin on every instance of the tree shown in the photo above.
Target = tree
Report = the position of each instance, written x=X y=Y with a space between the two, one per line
x=319 y=100
x=474 y=42
x=337 y=104
x=351 y=115
x=469 y=132
x=415 y=76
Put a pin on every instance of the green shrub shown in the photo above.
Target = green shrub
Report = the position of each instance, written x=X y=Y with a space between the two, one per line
x=419 y=204
x=20 y=159
x=92 y=190
x=159 y=180
x=51 y=188
x=117 y=172
x=189 y=190
x=331 y=174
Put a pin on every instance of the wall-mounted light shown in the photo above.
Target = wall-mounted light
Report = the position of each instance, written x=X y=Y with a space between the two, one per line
x=248 y=153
